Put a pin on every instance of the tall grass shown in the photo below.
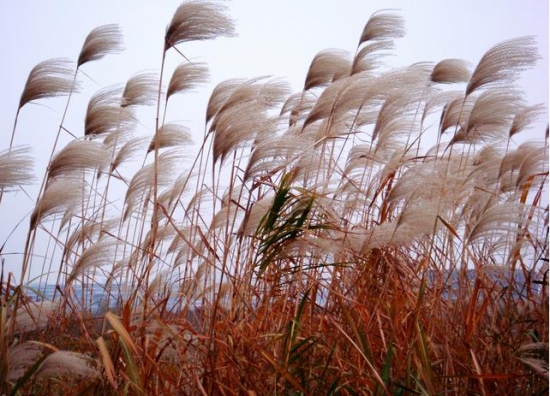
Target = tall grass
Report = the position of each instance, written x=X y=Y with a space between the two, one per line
x=379 y=232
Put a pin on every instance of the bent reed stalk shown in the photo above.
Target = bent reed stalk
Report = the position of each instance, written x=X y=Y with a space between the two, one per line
x=383 y=231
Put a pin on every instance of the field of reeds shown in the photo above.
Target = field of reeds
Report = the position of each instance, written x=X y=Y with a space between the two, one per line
x=381 y=232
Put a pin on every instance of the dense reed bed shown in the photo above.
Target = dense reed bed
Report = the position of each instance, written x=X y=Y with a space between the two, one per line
x=382 y=231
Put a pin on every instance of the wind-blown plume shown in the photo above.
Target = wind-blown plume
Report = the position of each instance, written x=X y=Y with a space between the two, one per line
x=219 y=95
x=536 y=163
x=144 y=179
x=368 y=57
x=95 y=256
x=490 y=117
x=244 y=115
x=524 y=117
x=327 y=66
x=187 y=76
x=197 y=20
x=298 y=105
x=79 y=155
x=237 y=125
x=514 y=158
x=497 y=219
x=169 y=197
x=32 y=316
x=394 y=116
x=502 y=63
x=140 y=89
x=15 y=168
x=230 y=95
x=90 y=230
x=101 y=41
x=22 y=357
x=277 y=152
x=254 y=216
x=170 y=134
x=325 y=104
x=59 y=196
x=450 y=71
x=69 y=364
x=438 y=99
x=128 y=150
x=104 y=114
x=50 y=78
x=456 y=113
x=382 y=25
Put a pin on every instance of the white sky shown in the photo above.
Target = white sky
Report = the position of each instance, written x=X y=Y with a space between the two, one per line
x=278 y=38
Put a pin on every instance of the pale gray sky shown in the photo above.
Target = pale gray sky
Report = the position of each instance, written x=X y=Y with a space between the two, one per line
x=278 y=38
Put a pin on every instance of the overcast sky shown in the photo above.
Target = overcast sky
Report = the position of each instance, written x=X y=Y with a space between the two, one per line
x=278 y=38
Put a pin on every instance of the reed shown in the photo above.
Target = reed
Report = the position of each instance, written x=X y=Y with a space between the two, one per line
x=315 y=242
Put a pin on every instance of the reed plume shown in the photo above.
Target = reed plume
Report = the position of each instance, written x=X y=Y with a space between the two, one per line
x=61 y=195
x=101 y=41
x=140 y=90
x=380 y=231
x=503 y=62
x=186 y=77
x=197 y=20
x=382 y=25
x=15 y=168
x=78 y=156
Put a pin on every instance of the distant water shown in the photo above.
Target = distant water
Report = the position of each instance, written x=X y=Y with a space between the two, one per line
x=92 y=297
x=96 y=299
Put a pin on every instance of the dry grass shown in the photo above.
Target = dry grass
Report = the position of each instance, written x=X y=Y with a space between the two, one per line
x=320 y=242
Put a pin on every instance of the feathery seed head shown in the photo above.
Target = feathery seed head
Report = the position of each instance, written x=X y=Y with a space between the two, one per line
x=69 y=364
x=524 y=117
x=382 y=25
x=104 y=113
x=327 y=66
x=60 y=195
x=368 y=57
x=101 y=41
x=15 y=168
x=502 y=63
x=50 y=78
x=169 y=135
x=186 y=77
x=79 y=155
x=450 y=71
x=140 y=89
x=198 y=20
